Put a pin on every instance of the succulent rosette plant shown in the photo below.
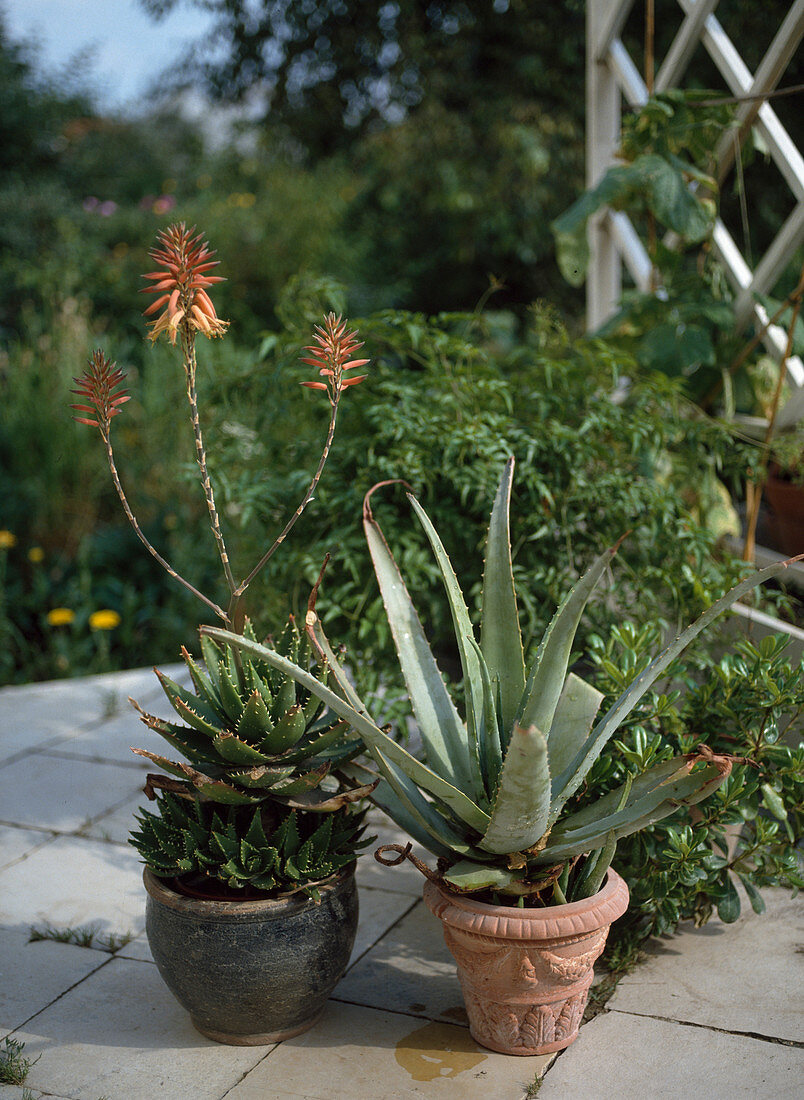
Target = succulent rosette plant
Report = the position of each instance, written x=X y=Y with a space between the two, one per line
x=493 y=799
x=259 y=800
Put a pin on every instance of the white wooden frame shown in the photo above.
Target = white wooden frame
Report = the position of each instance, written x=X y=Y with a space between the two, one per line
x=611 y=75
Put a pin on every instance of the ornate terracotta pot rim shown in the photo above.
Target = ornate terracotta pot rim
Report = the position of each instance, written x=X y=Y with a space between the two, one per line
x=255 y=909
x=508 y=922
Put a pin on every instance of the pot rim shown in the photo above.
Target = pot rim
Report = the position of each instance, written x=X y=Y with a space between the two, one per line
x=244 y=911
x=506 y=921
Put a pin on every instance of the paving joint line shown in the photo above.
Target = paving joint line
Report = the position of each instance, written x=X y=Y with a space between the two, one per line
x=709 y=1027
x=380 y=938
x=59 y=996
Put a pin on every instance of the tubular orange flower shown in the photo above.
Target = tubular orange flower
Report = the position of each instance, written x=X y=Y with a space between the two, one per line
x=332 y=353
x=181 y=282
x=98 y=385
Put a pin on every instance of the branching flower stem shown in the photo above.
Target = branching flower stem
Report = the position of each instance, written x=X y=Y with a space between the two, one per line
x=188 y=349
x=234 y=605
x=139 y=533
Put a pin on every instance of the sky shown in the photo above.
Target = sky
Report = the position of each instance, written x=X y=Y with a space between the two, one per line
x=129 y=49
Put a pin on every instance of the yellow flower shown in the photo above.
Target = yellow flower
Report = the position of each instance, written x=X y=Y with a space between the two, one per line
x=104 y=620
x=7 y=540
x=60 y=616
x=36 y=554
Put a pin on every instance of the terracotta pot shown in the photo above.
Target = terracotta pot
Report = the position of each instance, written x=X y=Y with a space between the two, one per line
x=526 y=973
x=252 y=972
x=786 y=500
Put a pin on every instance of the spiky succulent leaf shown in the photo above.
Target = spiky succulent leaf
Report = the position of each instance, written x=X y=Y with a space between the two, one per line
x=235 y=751
x=287 y=731
x=521 y=808
x=500 y=634
x=566 y=783
x=546 y=679
x=468 y=878
x=255 y=719
x=459 y=803
x=576 y=710
x=465 y=638
x=440 y=725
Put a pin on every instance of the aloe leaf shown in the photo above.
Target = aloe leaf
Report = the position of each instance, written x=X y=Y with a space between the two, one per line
x=522 y=806
x=467 y=877
x=177 y=694
x=320 y=641
x=213 y=789
x=236 y=751
x=325 y=802
x=462 y=626
x=372 y=735
x=576 y=710
x=230 y=696
x=489 y=739
x=212 y=656
x=286 y=732
x=567 y=782
x=314 y=745
x=195 y=746
x=442 y=731
x=260 y=778
x=211 y=729
x=255 y=721
x=298 y=784
x=432 y=830
x=549 y=670
x=571 y=838
x=500 y=634
x=596 y=871
x=202 y=683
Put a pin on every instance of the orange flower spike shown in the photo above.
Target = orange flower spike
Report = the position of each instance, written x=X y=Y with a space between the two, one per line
x=99 y=385
x=330 y=353
x=183 y=259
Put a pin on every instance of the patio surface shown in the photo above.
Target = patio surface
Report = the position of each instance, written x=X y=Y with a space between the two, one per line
x=715 y=1013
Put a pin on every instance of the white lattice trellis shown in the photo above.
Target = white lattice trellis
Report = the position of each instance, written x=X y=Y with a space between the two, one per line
x=612 y=76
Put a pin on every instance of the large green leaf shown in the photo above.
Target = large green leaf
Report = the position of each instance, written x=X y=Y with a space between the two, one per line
x=546 y=680
x=442 y=731
x=567 y=839
x=373 y=736
x=577 y=707
x=467 y=877
x=464 y=636
x=500 y=634
x=522 y=806
x=567 y=782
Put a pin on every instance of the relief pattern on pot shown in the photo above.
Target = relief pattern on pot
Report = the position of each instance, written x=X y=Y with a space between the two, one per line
x=528 y=994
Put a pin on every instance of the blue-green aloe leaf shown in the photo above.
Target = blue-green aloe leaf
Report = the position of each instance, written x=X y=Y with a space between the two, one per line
x=464 y=636
x=577 y=708
x=489 y=731
x=500 y=634
x=467 y=877
x=549 y=671
x=460 y=804
x=522 y=807
x=567 y=782
x=442 y=731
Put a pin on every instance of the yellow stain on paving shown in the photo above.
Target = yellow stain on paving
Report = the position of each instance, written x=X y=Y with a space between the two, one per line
x=438 y=1050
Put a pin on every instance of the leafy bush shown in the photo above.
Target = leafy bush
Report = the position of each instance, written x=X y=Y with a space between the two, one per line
x=748 y=703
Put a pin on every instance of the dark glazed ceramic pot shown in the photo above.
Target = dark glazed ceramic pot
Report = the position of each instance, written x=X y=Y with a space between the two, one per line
x=252 y=972
x=526 y=973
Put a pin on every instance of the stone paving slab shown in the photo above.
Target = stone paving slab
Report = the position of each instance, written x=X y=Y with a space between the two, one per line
x=744 y=977
x=363 y=1054
x=75 y=882
x=121 y=1035
x=17 y=843
x=619 y=1056
x=118 y=823
x=61 y=794
x=409 y=970
x=34 y=974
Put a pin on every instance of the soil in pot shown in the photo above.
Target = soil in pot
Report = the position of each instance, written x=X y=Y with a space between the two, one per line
x=526 y=973
x=252 y=972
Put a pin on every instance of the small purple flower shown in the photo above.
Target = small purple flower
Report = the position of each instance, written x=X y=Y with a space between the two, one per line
x=90 y=203
x=107 y=208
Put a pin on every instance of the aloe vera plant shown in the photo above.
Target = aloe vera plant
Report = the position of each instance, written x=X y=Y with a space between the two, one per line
x=491 y=801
